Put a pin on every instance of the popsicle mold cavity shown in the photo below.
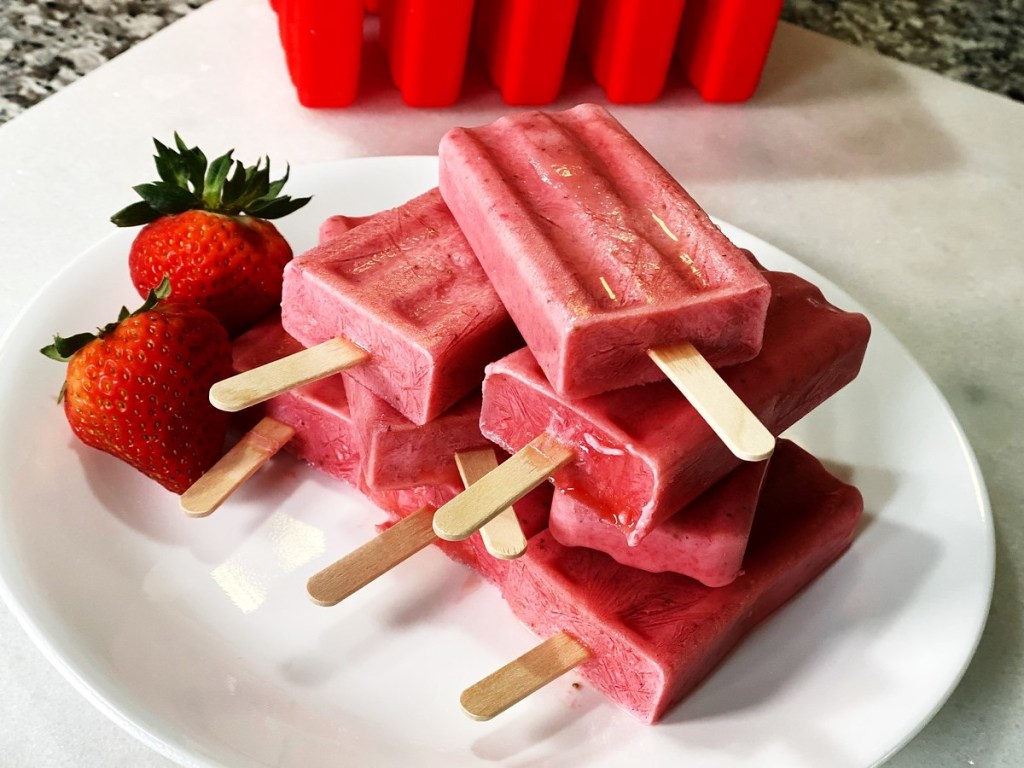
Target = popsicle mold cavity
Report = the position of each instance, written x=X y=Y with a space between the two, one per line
x=645 y=452
x=406 y=287
x=654 y=637
x=597 y=252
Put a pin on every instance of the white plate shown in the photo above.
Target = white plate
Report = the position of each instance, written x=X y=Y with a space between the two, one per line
x=196 y=635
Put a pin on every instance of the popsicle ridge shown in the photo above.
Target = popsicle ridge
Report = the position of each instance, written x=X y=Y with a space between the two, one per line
x=632 y=261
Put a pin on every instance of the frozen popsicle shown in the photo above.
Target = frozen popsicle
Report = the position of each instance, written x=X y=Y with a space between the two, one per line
x=600 y=256
x=644 y=451
x=609 y=268
x=312 y=422
x=647 y=640
x=397 y=453
x=705 y=540
x=401 y=301
x=412 y=509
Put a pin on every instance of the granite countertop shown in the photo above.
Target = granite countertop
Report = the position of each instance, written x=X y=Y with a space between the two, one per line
x=45 y=46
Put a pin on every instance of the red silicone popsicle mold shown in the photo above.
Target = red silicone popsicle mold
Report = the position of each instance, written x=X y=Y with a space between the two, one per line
x=630 y=46
x=526 y=44
x=426 y=42
x=723 y=45
x=322 y=45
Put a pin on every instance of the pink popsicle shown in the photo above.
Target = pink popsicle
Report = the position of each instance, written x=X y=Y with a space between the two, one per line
x=406 y=288
x=645 y=452
x=705 y=540
x=652 y=638
x=596 y=251
x=400 y=454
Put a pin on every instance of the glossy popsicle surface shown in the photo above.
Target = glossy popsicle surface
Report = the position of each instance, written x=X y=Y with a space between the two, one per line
x=596 y=251
x=653 y=638
x=406 y=288
x=645 y=452
x=704 y=540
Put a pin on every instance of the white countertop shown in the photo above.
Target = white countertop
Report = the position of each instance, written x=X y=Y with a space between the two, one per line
x=905 y=188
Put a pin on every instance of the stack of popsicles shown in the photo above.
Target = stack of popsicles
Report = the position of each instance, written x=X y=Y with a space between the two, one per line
x=660 y=362
x=403 y=423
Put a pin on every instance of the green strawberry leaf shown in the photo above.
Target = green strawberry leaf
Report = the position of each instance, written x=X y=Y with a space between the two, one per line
x=275 y=209
x=136 y=215
x=166 y=199
x=63 y=349
x=235 y=183
x=216 y=175
x=188 y=182
x=275 y=187
x=195 y=162
x=170 y=166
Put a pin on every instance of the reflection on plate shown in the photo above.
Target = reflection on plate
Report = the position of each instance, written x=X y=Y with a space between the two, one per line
x=197 y=636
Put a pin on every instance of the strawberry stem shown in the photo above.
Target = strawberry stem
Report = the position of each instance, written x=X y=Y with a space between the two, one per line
x=187 y=182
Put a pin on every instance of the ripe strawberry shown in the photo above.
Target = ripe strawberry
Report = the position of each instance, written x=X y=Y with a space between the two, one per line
x=207 y=230
x=139 y=388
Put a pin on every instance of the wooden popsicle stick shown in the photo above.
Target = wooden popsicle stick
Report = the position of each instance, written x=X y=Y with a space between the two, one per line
x=730 y=418
x=235 y=467
x=401 y=541
x=262 y=383
x=518 y=679
x=375 y=558
x=501 y=488
x=503 y=537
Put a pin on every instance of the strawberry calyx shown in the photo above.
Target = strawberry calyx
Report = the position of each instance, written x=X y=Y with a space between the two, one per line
x=64 y=348
x=224 y=185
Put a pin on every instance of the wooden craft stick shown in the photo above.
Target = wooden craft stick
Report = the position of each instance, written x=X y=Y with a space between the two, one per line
x=518 y=679
x=737 y=426
x=504 y=486
x=503 y=537
x=262 y=383
x=235 y=467
x=404 y=539
x=375 y=558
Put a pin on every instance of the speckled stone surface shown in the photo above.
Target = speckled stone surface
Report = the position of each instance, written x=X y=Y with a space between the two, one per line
x=46 y=45
x=979 y=42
